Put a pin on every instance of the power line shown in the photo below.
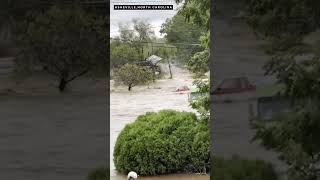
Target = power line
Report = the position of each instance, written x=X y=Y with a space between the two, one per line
x=145 y=42
x=160 y=26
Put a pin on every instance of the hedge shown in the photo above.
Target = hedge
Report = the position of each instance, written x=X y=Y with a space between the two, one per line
x=164 y=142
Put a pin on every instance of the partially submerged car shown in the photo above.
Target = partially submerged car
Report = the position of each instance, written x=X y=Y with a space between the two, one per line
x=182 y=88
x=266 y=108
x=233 y=89
x=234 y=85
x=269 y=102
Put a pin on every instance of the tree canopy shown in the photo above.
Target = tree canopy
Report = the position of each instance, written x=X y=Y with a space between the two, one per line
x=198 y=12
x=283 y=18
x=132 y=75
x=132 y=43
x=178 y=30
x=66 y=43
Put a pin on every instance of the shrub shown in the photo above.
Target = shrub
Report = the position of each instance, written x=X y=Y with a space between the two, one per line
x=99 y=174
x=163 y=142
x=241 y=169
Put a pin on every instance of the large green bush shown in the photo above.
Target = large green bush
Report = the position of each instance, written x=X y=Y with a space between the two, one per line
x=241 y=169
x=163 y=142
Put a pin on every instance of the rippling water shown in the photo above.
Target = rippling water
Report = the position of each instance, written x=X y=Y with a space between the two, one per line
x=126 y=106
x=52 y=136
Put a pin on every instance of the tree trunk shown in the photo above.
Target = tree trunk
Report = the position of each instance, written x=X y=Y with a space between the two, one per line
x=129 y=88
x=62 y=84
x=170 y=68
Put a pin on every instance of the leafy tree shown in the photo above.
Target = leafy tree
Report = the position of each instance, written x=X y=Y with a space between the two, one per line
x=286 y=24
x=198 y=12
x=283 y=19
x=145 y=33
x=132 y=75
x=13 y=10
x=178 y=30
x=122 y=53
x=131 y=41
x=294 y=136
x=199 y=63
x=143 y=29
x=202 y=104
x=66 y=43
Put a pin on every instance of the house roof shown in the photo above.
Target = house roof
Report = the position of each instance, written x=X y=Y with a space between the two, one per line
x=154 y=59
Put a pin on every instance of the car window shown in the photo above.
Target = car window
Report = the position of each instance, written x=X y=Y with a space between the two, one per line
x=231 y=84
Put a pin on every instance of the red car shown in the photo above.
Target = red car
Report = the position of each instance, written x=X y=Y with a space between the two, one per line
x=182 y=88
x=234 y=85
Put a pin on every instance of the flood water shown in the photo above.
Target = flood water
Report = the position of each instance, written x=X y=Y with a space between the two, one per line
x=126 y=106
x=52 y=137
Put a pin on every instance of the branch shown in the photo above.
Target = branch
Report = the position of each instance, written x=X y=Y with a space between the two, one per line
x=78 y=75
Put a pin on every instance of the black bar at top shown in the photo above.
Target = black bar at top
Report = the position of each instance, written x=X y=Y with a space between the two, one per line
x=143 y=7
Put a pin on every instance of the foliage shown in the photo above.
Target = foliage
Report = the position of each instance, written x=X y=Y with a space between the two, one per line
x=294 y=136
x=132 y=75
x=241 y=169
x=66 y=43
x=132 y=44
x=198 y=12
x=99 y=174
x=178 y=30
x=202 y=104
x=301 y=78
x=163 y=142
x=143 y=29
x=294 y=61
x=122 y=53
x=199 y=63
x=283 y=19
x=15 y=10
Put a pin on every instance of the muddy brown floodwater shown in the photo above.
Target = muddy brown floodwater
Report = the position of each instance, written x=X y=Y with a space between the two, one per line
x=126 y=106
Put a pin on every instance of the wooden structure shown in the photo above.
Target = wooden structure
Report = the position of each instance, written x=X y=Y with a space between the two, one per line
x=153 y=63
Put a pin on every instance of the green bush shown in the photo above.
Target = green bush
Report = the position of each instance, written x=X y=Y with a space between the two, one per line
x=163 y=142
x=241 y=169
x=99 y=174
